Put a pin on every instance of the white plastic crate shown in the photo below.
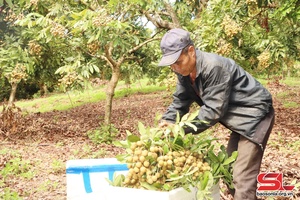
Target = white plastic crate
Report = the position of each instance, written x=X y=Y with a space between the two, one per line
x=115 y=193
x=122 y=193
x=86 y=178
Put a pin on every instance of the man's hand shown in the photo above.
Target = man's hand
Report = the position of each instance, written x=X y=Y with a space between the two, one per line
x=164 y=124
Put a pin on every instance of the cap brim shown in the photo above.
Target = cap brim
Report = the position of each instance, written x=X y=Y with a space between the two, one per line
x=169 y=59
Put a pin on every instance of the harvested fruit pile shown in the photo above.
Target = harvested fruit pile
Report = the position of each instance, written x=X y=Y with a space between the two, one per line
x=154 y=166
x=164 y=159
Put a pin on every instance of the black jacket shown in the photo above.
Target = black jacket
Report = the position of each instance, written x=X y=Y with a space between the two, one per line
x=226 y=93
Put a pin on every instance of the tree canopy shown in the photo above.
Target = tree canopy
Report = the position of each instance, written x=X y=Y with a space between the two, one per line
x=63 y=44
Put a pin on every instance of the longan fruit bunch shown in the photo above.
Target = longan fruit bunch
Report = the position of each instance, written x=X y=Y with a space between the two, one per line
x=231 y=28
x=34 y=48
x=153 y=166
x=264 y=59
x=224 y=48
x=93 y=47
x=58 y=30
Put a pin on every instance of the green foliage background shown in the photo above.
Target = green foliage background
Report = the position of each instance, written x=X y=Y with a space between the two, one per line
x=63 y=44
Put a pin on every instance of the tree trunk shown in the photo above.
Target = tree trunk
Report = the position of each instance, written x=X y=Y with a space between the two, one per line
x=115 y=66
x=110 y=91
x=43 y=90
x=13 y=92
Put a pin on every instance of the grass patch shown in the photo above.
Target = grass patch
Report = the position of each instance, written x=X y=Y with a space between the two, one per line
x=263 y=81
x=105 y=134
x=291 y=104
x=71 y=99
x=8 y=194
x=58 y=167
x=291 y=81
x=283 y=95
x=144 y=90
x=287 y=103
x=286 y=96
x=61 y=101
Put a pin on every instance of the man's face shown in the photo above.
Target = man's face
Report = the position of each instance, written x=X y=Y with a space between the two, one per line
x=186 y=62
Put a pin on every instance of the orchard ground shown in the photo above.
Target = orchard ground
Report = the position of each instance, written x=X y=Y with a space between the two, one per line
x=33 y=156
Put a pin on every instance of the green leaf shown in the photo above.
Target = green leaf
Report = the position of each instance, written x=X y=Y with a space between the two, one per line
x=157 y=185
x=175 y=130
x=118 y=180
x=191 y=125
x=234 y=154
x=1 y=3
x=192 y=116
x=185 y=117
x=191 y=172
x=141 y=128
x=174 y=177
x=148 y=186
x=128 y=132
x=177 y=147
x=167 y=187
x=123 y=144
x=182 y=132
x=59 y=70
x=179 y=142
x=96 y=68
x=181 y=124
x=9 y=2
x=223 y=149
x=121 y=158
x=204 y=180
x=229 y=160
x=212 y=156
x=165 y=149
x=221 y=156
x=225 y=172
x=133 y=138
x=215 y=168
x=91 y=68
x=93 y=38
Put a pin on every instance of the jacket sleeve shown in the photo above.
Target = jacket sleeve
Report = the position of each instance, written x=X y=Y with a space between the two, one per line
x=216 y=94
x=181 y=103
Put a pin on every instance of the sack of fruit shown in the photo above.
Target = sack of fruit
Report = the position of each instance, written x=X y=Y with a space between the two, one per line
x=164 y=159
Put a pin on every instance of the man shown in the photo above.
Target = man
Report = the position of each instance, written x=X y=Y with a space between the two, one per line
x=227 y=94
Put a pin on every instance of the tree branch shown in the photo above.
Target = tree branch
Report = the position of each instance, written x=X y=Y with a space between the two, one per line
x=108 y=55
x=156 y=19
x=172 y=14
x=141 y=44
x=253 y=17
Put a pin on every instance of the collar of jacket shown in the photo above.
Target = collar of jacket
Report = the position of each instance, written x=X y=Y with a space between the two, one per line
x=199 y=61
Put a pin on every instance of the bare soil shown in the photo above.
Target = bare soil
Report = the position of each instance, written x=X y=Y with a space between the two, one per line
x=45 y=141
